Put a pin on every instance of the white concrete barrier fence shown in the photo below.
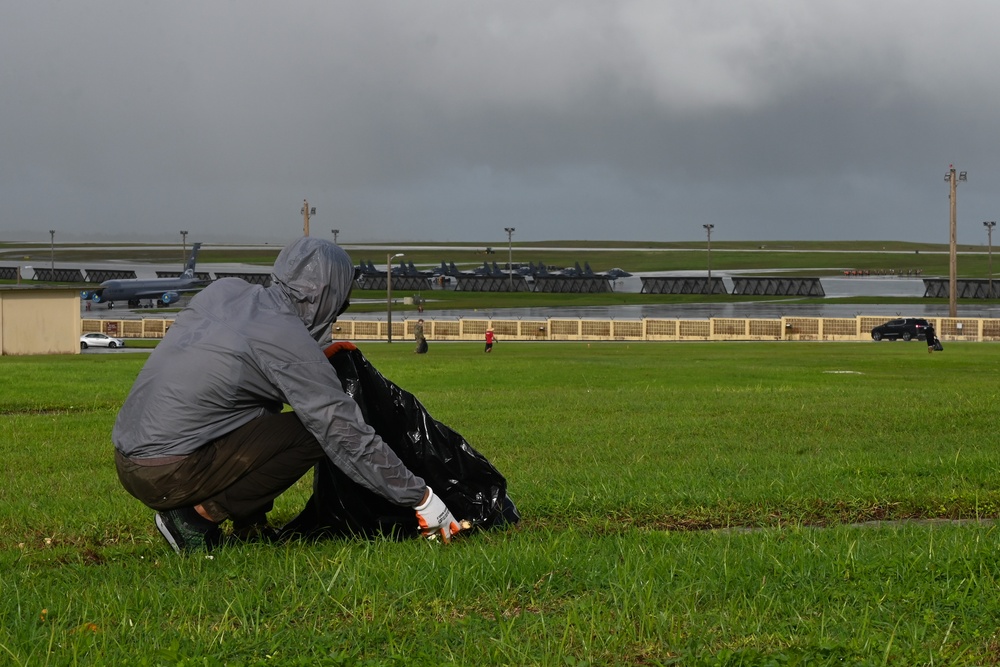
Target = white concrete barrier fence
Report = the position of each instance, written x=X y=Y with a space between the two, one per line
x=564 y=329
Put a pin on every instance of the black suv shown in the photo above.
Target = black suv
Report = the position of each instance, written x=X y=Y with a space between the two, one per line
x=906 y=328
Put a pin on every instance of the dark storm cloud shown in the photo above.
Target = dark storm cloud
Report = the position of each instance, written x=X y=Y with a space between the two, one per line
x=638 y=120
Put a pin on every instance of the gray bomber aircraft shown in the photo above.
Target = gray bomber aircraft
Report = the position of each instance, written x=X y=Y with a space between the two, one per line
x=164 y=290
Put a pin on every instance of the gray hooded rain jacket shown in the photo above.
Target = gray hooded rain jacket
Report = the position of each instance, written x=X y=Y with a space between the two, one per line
x=239 y=351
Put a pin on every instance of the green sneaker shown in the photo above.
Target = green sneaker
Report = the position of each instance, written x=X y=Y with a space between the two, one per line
x=185 y=534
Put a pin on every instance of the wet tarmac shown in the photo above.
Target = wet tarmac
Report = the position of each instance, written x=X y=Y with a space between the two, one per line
x=695 y=311
x=889 y=288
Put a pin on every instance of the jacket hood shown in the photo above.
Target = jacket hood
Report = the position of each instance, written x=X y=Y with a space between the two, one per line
x=317 y=277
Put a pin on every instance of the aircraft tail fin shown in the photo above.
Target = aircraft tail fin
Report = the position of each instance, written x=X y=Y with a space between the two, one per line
x=192 y=261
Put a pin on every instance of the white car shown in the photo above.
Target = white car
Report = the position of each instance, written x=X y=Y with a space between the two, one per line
x=99 y=340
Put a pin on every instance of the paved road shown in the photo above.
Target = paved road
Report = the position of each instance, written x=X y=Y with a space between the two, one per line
x=695 y=311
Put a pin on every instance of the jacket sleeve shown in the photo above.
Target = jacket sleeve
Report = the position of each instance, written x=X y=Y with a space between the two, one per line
x=313 y=390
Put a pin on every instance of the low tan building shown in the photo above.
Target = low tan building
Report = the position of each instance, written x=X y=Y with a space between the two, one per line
x=39 y=320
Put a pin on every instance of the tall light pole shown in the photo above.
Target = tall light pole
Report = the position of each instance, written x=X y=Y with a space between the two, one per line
x=388 y=292
x=510 y=256
x=335 y=232
x=989 y=225
x=953 y=180
x=184 y=247
x=52 y=252
x=709 y=228
x=306 y=212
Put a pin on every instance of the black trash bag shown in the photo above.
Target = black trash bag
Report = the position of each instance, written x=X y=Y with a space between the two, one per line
x=463 y=478
x=937 y=345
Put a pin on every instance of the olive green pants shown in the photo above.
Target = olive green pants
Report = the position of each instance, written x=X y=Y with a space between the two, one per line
x=237 y=476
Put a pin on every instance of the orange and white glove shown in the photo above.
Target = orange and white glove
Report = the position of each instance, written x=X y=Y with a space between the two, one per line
x=435 y=519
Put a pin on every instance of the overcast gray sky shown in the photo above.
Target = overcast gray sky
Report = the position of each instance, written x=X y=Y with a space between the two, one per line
x=637 y=120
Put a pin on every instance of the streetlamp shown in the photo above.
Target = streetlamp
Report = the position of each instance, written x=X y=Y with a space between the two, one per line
x=388 y=291
x=306 y=212
x=709 y=228
x=52 y=253
x=989 y=239
x=335 y=232
x=953 y=179
x=184 y=248
x=510 y=256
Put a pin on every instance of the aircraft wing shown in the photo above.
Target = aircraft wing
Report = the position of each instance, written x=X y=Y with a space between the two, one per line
x=152 y=292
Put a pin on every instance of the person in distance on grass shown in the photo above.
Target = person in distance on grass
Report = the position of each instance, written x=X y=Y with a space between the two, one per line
x=489 y=340
x=418 y=335
x=201 y=437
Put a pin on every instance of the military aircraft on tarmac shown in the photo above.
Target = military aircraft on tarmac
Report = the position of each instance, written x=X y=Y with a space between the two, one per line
x=164 y=290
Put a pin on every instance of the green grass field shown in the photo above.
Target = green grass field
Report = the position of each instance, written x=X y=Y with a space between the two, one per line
x=683 y=503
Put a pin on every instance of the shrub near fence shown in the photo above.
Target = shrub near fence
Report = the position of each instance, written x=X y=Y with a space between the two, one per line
x=559 y=329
